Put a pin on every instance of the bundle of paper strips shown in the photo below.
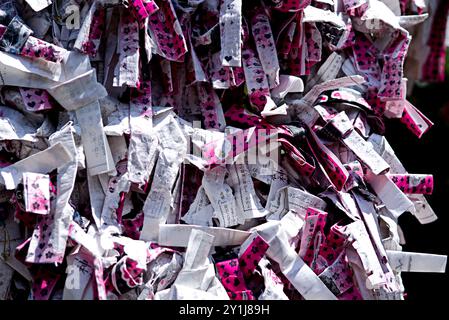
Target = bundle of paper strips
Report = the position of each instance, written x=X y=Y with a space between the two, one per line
x=211 y=149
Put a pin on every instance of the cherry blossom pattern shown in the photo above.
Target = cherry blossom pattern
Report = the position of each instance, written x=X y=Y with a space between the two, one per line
x=97 y=27
x=37 y=99
x=127 y=71
x=249 y=260
x=256 y=79
x=231 y=277
x=219 y=75
x=167 y=32
x=150 y=6
x=266 y=48
x=365 y=55
x=211 y=108
x=346 y=96
x=326 y=255
x=333 y=253
x=392 y=71
x=333 y=245
x=42 y=248
x=140 y=101
x=36 y=192
x=39 y=49
x=139 y=9
x=415 y=120
x=413 y=183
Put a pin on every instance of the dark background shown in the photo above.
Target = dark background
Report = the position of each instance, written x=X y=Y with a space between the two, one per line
x=428 y=155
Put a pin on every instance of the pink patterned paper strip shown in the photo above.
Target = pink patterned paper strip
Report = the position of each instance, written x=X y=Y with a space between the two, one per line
x=37 y=99
x=128 y=66
x=95 y=32
x=256 y=79
x=413 y=183
x=167 y=32
x=392 y=71
x=312 y=236
x=39 y=49
x=139 y=10
x=150 y=6
x=231 y=277
x=249 y=260
x=265 y=45
x=415 y=120
x=36 y=192
x=140 y=101
x=211 y=108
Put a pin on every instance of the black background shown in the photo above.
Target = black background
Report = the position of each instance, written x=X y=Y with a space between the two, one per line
x=428 y=155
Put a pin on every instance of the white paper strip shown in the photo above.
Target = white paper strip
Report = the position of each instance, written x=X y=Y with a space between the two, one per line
x=417 y=262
